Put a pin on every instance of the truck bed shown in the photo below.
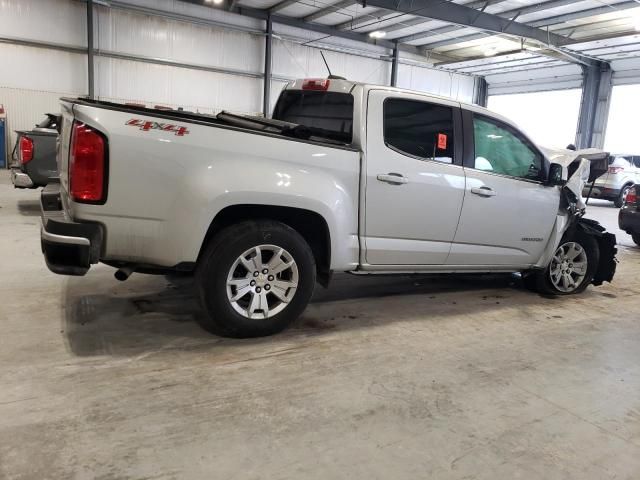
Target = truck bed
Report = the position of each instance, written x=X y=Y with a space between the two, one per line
x=246 y=123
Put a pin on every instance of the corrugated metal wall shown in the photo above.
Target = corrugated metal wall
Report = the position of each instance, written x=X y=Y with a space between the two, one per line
x=564 y=77
x=225 y=60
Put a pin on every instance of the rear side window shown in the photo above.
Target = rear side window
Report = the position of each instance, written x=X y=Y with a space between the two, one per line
x=329 y=111
x=419 y=129
x=500 y=149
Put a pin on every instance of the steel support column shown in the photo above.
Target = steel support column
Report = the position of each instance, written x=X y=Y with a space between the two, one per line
x=90 y=49
x=480 y=91
x=266 y=97
x=394 y=66
x=594 y=106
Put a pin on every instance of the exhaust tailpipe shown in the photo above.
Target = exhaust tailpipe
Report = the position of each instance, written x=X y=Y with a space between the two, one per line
x=123 y=273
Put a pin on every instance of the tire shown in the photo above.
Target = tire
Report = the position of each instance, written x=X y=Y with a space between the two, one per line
x=619 y=202
x=636 y=238
x=229 y=262
x=542 y=281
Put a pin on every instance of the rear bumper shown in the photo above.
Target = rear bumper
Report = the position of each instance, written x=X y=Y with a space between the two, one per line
x=69 y=248
x=20 y=179
x=629 y=219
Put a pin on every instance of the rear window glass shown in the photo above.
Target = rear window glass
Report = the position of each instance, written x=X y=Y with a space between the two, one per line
x=329 y=111
x=49 y=122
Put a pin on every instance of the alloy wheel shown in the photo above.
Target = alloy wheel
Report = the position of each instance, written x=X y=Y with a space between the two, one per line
x=262 y=281
x=568 y=267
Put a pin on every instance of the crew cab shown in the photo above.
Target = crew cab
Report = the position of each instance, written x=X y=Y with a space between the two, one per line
x=346 y=177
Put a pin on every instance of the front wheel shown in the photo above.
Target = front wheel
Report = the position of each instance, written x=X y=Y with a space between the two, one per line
x=255 y=279
x=572 y=267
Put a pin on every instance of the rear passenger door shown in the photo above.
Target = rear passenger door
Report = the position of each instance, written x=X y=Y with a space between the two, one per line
x=508 y=213
x=414 y=179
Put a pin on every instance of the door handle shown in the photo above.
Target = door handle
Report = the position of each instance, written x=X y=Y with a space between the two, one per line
x=484 y=191
x=393 y=178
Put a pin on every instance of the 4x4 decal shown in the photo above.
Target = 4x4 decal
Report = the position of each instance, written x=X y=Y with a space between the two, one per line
x=165 y=127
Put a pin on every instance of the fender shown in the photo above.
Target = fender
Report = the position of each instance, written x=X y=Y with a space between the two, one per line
x=607 y=246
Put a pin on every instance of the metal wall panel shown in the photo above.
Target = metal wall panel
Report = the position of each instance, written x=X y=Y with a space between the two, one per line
x=626 y=72
x=536 y=80
x=437 y=82
x=125 y=80
x=42 y=69
x=151 y=36
x=44 y=20
x=293 y=60
x=25 y=108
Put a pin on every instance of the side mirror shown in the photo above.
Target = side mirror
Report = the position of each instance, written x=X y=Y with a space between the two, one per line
x=555 y=175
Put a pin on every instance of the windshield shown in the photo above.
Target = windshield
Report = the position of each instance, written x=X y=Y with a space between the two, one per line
x=329 y=111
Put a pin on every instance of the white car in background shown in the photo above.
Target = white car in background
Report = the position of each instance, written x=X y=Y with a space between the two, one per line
x=624 y=172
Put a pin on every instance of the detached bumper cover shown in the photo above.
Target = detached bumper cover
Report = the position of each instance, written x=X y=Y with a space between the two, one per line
x=607 y=245
x=69 y=247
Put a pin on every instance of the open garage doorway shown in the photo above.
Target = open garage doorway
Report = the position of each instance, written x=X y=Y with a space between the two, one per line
x=549 y=118
x=622 y=129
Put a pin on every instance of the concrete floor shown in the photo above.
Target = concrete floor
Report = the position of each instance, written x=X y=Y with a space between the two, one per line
x=383 y=378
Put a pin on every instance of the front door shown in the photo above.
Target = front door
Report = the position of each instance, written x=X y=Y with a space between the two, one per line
x=414 y=179
x=508 y=213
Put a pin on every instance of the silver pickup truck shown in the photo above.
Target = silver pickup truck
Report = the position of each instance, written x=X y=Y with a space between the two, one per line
x=345 y=177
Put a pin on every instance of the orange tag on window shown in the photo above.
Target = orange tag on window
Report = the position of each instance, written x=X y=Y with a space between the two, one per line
x=442 y=141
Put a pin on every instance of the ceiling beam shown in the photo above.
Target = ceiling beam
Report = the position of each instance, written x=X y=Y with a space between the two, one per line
x=282 y=5
x=368 y=19
x=323 y=12
x=333 y=32
x=543 y=22
x=469 y=17
x=538 y=7
x=378 y=16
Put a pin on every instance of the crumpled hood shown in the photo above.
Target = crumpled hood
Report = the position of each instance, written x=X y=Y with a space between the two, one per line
x=579 y=167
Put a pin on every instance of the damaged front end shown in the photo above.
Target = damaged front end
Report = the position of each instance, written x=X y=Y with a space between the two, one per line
x=583 y=167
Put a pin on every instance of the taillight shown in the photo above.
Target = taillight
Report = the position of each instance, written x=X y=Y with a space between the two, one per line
x=26 y=150
x=315 y=84
x=631 y=197
x=616 y=169
x=87 y=164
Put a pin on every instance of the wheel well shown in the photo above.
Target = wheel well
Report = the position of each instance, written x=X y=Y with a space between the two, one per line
x=311 y=225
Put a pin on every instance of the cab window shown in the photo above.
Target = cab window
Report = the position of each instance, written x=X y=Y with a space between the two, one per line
x=419 y=129
x=500 y=149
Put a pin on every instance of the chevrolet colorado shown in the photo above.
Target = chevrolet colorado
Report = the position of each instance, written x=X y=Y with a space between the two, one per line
x=345 y=177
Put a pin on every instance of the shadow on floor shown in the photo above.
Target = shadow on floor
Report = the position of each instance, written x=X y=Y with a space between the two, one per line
x=132 y=325
x=29 y=208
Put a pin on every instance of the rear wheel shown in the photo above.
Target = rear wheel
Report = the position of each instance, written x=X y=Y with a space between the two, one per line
x=619 y=202
x=572 y=267
x=255 y=279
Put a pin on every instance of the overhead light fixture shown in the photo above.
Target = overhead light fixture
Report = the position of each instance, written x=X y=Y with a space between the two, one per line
x=217 y=2
x=378 y=34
